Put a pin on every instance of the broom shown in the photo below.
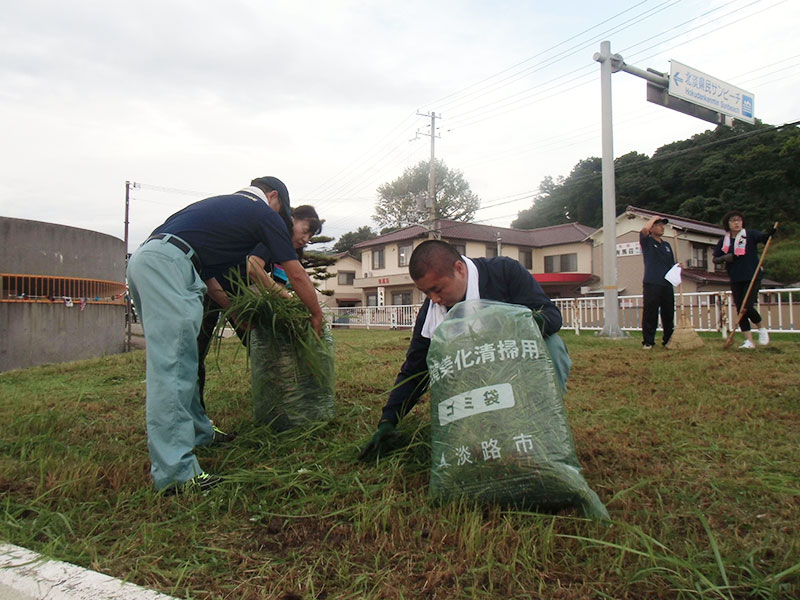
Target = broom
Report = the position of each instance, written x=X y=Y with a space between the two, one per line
x=684 y=337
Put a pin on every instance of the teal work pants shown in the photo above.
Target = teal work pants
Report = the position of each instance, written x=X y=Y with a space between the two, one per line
x=168 y=293
x=560 y=357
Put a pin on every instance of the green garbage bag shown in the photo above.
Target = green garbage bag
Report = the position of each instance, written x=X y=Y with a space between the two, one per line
x=291 y=385
x=499 y=429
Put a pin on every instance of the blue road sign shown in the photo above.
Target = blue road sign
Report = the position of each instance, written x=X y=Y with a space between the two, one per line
x=700 y=88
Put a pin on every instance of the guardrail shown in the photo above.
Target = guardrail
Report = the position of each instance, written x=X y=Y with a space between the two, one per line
x=705 y=311
x=18 y=287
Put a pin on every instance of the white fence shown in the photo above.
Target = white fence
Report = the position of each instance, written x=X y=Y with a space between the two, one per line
x=392 y=317
x=706 y=311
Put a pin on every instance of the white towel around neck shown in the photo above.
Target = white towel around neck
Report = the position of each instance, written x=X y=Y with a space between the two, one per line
x=436 y=312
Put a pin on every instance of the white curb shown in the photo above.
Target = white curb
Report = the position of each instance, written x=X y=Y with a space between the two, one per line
x=26 y=575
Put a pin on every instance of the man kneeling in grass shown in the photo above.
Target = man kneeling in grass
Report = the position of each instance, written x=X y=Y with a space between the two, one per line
x=446 y=277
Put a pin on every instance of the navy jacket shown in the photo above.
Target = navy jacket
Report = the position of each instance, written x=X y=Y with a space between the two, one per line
x=658 y=259
x=223 y=230
x=503 y=279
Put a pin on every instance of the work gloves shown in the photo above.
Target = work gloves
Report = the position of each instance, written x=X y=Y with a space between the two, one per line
x=385 y=440
x=725 y=258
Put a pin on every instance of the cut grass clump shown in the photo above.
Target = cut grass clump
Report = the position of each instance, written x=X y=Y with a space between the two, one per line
x=291 y=367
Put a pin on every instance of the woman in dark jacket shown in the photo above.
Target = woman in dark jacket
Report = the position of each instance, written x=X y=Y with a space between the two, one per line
x=738 y=251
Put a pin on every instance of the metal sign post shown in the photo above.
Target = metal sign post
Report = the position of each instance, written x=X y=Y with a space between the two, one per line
x=686 y=90
x=611 y=328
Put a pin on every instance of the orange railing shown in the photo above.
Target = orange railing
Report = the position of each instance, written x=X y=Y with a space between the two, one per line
x=47 y=288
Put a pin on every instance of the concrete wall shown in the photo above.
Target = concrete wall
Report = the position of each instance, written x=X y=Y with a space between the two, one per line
x=36 y=248
x=35 y=333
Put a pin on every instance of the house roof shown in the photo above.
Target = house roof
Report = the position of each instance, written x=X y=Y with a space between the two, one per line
x=475 y=232
x=682 y=222
x=343 y=255
x=561 y=234
x=705 y=277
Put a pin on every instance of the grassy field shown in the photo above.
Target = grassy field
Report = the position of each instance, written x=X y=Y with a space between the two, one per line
x=695 y=455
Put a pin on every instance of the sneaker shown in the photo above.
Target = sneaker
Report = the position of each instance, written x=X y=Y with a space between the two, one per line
x=199 y=484
x=748 y=345
x=763 y=337
x=220 y=437
x=647 y=346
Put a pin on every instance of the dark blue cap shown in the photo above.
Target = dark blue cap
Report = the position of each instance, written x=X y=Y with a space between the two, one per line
x=273 y=183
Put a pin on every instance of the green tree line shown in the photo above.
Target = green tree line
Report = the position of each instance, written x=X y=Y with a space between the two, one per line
x=751 y=168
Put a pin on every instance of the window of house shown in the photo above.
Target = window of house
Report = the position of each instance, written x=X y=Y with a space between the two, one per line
x=401 y=297
x=561 y=263
x=403 y=254
x=372 y=299
x=378 y=259
x=491 y=250
x=526 y=258
x=346 y=277
x=461 y=249
x=699 y=257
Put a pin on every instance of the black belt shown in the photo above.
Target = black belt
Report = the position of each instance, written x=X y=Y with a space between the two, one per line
x=181 y=245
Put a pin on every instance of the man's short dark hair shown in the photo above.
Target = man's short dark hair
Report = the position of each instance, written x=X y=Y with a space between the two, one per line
x=433 y=255
x=728 y=216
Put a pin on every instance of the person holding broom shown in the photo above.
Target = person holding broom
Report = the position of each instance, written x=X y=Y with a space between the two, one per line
x=446 y=277
x=657 y=292
x=738 y=251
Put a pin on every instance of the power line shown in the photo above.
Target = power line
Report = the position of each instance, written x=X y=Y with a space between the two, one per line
x=370 y=151
x=546 y=62
x=348 y=184
x=633 y=165
x=589 y=68
x=528 y=97
x=169 y=190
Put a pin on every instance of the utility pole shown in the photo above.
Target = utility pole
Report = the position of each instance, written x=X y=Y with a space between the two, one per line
x=127 y=212
x=431 y=203
x=128 y=303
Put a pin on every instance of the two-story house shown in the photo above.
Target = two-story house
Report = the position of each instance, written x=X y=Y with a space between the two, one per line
x=560 y=257
x=692 y=241
x=340 y=290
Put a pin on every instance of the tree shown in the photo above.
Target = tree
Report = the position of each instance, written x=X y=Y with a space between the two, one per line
x=316 y=262
x=574 y=199
x=783 y=261
x=346 y=241
x=754 y=168
x=398 y=206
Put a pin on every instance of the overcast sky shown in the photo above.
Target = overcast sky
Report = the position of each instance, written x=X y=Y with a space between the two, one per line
x=191 y=98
